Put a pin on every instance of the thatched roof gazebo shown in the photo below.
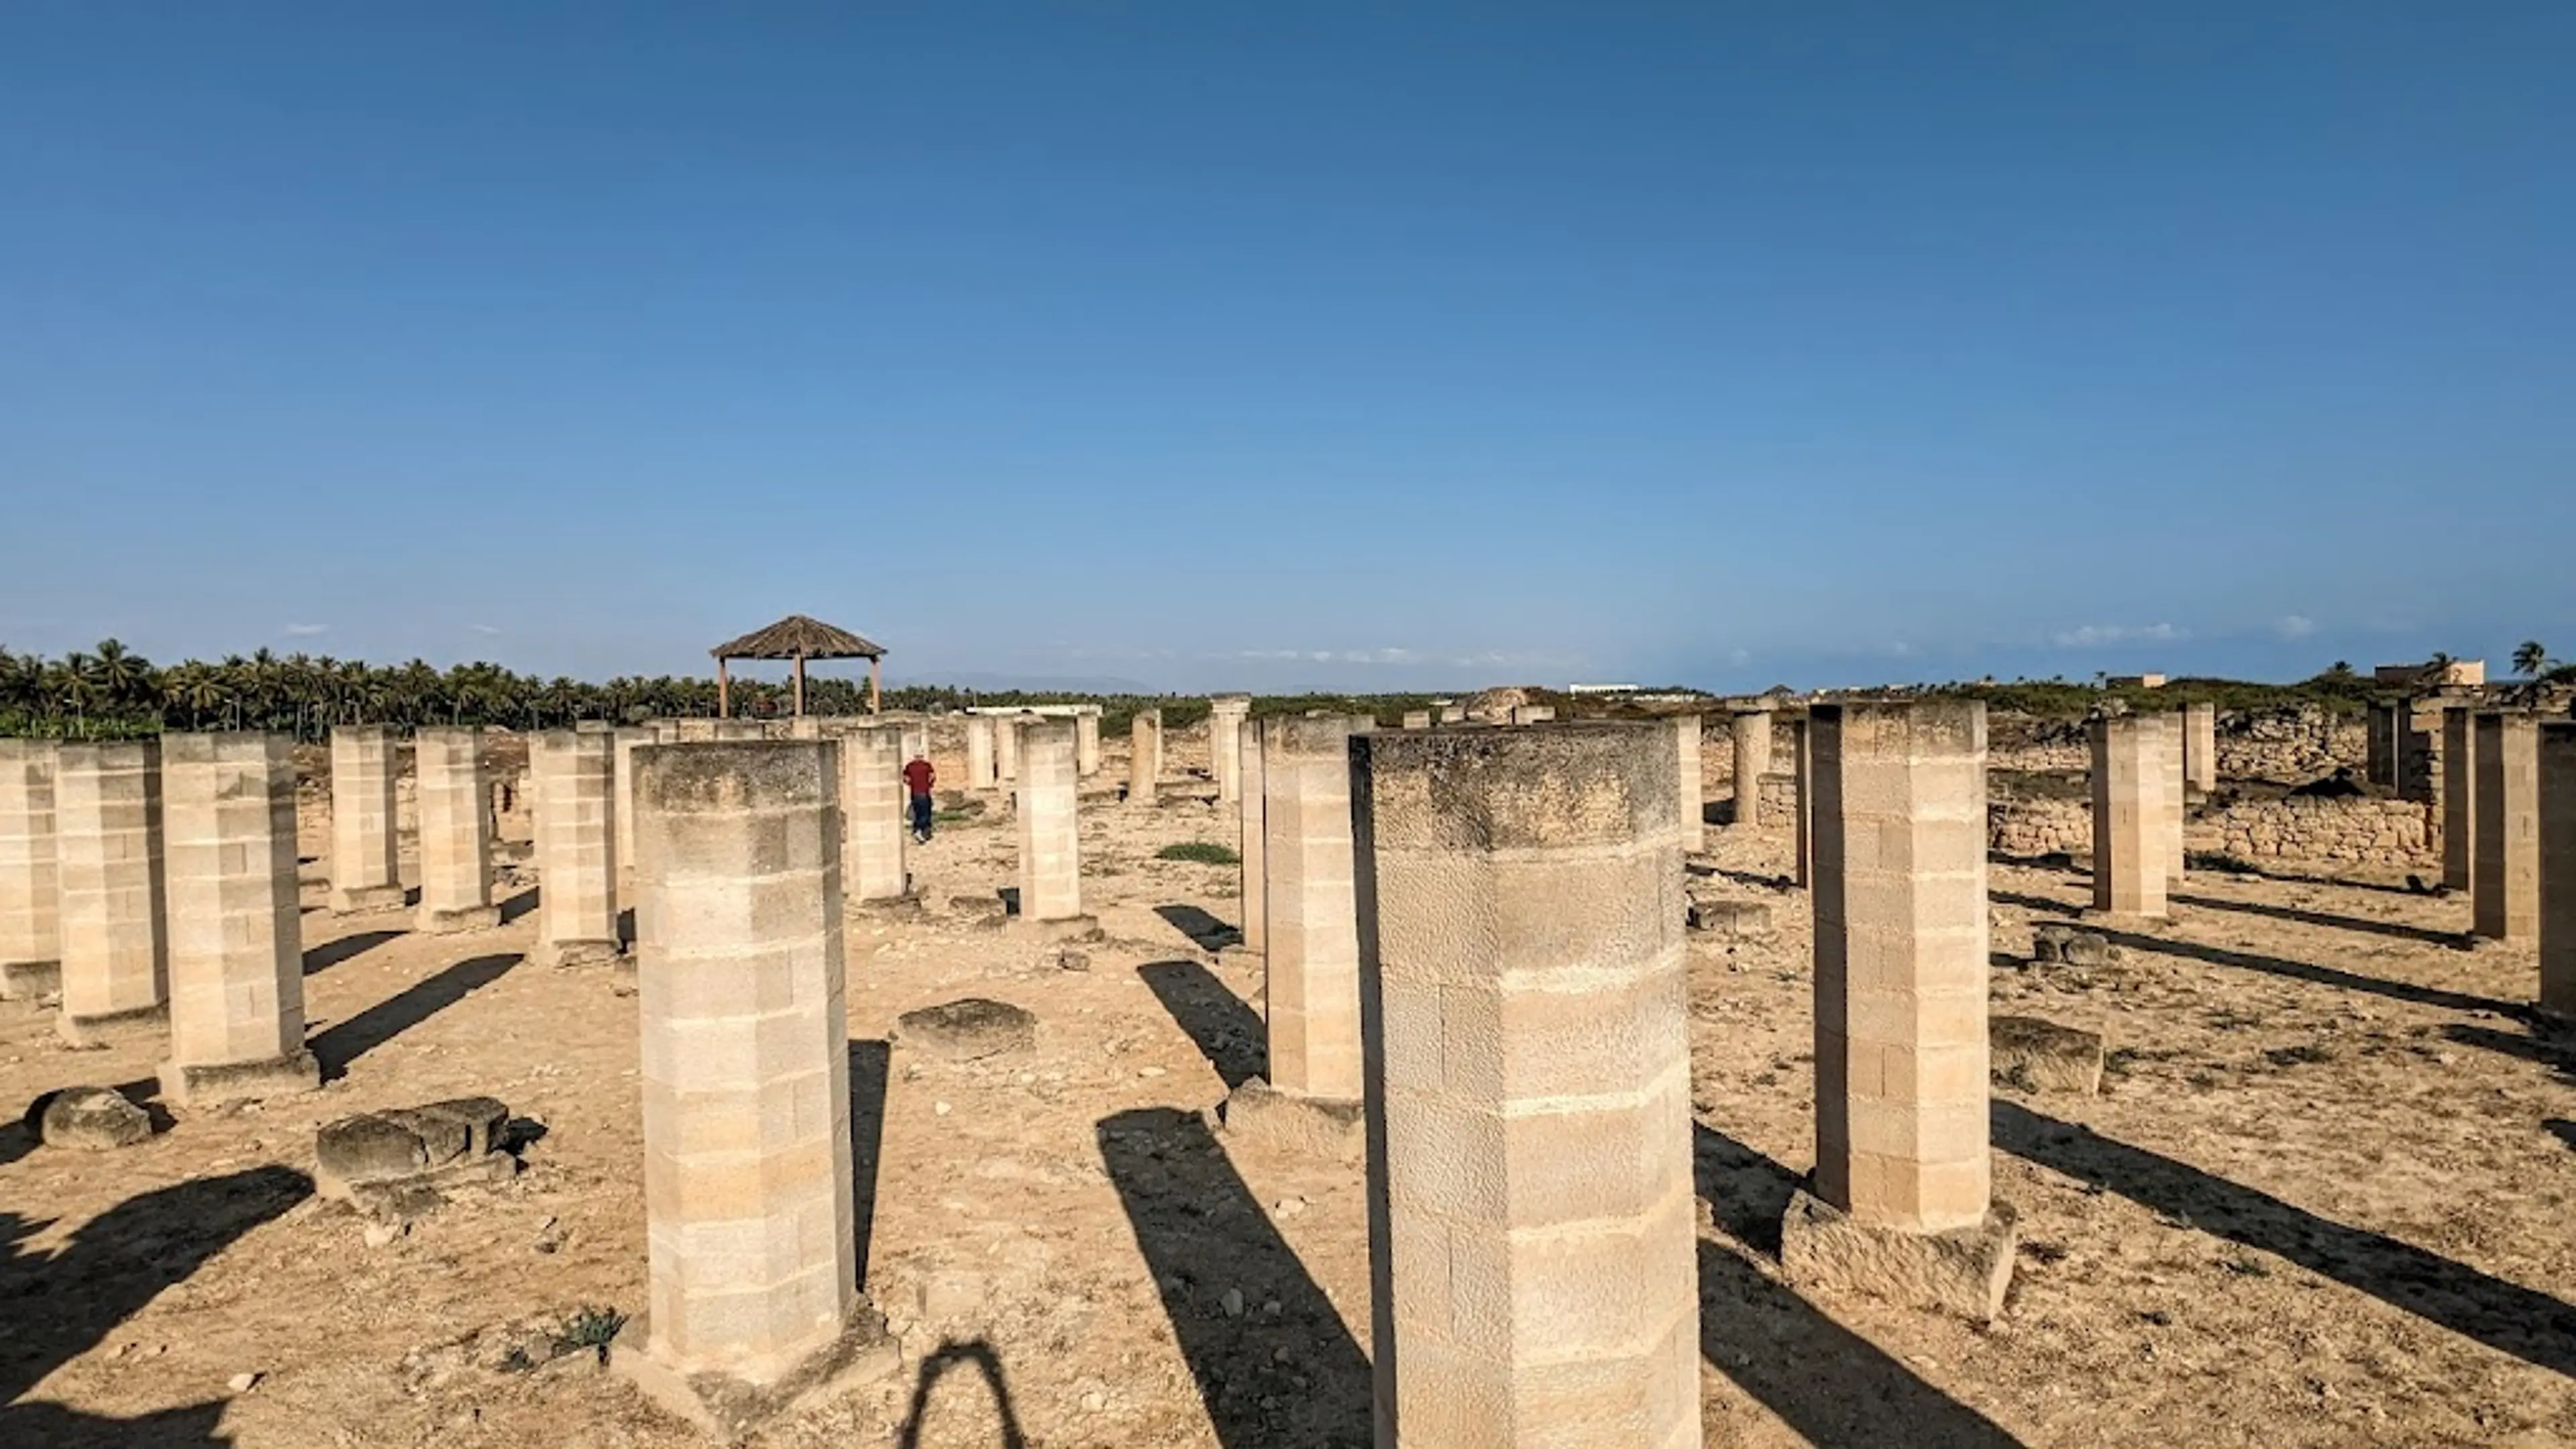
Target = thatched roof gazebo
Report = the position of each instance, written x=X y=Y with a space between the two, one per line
x=798 y=638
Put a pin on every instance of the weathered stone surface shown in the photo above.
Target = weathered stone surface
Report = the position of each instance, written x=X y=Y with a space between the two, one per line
x=1963 y=1271
x=726 y=1406
x=202 y=1084
x=1312 y=1126
x=392 y=1163
x=1733 y=920
x=94 y=1119
x=2057 y=942
x=2041 y=1056
x=963 y=1031
x=30 y=980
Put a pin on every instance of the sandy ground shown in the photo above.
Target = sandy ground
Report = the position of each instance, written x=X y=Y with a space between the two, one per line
x=2324 y=1199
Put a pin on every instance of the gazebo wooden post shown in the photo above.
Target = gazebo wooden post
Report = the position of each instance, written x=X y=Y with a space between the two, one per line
x=800 y=686
x=876 y=691
x=724 y=691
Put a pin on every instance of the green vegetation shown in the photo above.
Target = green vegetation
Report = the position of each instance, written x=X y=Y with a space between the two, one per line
x=1202 y=851
x=2338 y=690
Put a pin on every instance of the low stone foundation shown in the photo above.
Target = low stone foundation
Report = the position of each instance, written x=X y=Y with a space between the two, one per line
x=208 y=1085
x=727 y=1406
x=392 y=1164
x=30 y=980
x=459 y=920
x=1963 y=1272
x=363 y=899
x=1259 y=1112
x=2311 y=830
x=2041 y=1056
x=86 y=1032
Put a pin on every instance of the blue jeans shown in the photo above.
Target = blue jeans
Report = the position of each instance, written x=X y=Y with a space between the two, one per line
x=921 y=815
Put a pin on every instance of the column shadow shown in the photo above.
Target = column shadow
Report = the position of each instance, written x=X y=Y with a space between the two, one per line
x=2529 y=1048
x=2315 y=975
x=346 y=1041
x=2504 y=1316
x=67 y=1302
x=868 y=1064
x=1205 y=931
x=331 y=953
x=518 y=905
x=1202 y=1234
x=975 y=1354
x=2562 y=1129
x=1228 y=1033
x=1832 y=1387
x=2303 y=917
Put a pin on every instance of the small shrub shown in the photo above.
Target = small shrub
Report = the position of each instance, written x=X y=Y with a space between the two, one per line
x=1204 y=852
x=589 y=1330
x=2304 y=1054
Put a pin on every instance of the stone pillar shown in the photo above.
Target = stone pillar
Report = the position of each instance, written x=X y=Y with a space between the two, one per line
x=1453 y=714
x=1529 y=714
x=1145 y=764
x=1528 y=1087
x=2557 y=752
x=1086 y=743
x=1417 y=719
x=2128 y=813
x=236 y=920
x=982 y=771
x=573 y=777
x=1226 y=714
x=2200 y=748
x=1902 y=1197
x=916 y=740
x=875 y=839
x=1310 y=936
x=1050 y=833
x=1686 y=742
x=30 y=929
x=1803 y=768
x=1254 y=866
x=625 y=742
x=1006 y=747
x=2379 y=756
x=108 y=871
x=2459 y=796
x=752 y=1297
x=2504 y=892
x=366 y=869
x=455 y=832
x=1752 y=760
x=2176 y=858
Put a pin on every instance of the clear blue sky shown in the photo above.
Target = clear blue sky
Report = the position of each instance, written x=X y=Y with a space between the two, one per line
x=1727 y=344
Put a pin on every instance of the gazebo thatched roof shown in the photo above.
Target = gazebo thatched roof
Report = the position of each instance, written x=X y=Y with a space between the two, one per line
x=798 y=637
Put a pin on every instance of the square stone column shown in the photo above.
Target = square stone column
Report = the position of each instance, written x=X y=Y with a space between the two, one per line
x=2176 y=858
x=1686 y=742
x=1145 y=764
x=1528 y=1088
x=2379 y=758
x=752 y=1296
x=1803 y=773
x=983 y=770
x=366 y=855
x=455 y=832
x=30 y=930
x=1453 y=714
x=1251 y=837
x=108 y=873
x=1417 y=719
x=2459 y=796
x=2128 y=816
x=1006 y=747
x=875 y=840
x=1752 y=730
x=1086 y=742
x=1310 y=934
x=625 y=742
x=1529 y=714
x=1226 y=715
x=1050 y=834
x=2504 y=889
x=1902 y=1199
x=236 y=920
x=573 y=776
x=2200 y=748
x=2557 y=751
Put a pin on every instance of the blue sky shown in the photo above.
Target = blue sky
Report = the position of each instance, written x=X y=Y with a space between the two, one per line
x=1237 y=346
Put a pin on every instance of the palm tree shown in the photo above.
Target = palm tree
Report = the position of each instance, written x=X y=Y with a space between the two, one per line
x=2530 y=659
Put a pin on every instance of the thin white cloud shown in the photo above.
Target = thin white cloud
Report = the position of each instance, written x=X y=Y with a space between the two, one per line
x=484 y=628
x=306 y=631
x=2294 y=626
x=2097 y=636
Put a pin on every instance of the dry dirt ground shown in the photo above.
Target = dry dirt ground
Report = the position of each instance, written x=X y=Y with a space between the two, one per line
x=2324 y=1199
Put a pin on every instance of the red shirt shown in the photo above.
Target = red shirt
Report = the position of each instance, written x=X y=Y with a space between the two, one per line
x=918 y=775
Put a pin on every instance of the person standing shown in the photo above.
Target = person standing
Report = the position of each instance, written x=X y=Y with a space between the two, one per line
x=918 y=777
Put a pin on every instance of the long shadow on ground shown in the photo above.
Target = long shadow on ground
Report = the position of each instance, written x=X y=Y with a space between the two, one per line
x=1829 y=1384
x=2433 y=996
x=979 y=1356
x=1202 y=1234
x=1205 y=931
x=349 y=1040
x=868 y=1063
x=65 y=1303
x=331 y=953
x=2504 y=1316
x=1228 y=1033
x=2304 y=917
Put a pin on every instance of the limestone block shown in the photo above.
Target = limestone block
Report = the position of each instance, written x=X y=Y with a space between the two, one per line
x=1308 y=1126
x=1962 y=1271
x=30 y=924
x=1731 y=920
x=967 y=1030
x=91 y=1119
x=2041 y=1056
